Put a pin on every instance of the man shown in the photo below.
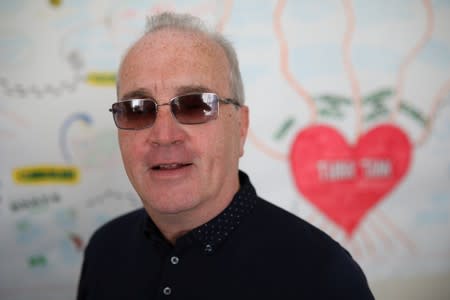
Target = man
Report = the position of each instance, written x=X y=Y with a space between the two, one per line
x=203 y=232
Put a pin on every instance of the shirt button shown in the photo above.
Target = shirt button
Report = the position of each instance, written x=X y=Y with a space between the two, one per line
x=208 y=248
x=174 y=260
x=167 y=291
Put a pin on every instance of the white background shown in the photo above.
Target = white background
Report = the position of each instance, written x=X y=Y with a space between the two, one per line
x=50 y=114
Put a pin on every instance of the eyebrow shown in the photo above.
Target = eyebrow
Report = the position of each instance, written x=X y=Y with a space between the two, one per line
x=192 y=89
x=140 y=93
x=143 y=93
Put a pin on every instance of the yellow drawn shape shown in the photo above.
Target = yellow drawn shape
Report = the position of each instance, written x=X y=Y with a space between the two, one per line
x=101 y=78
x=46 y=174
x=55 y=2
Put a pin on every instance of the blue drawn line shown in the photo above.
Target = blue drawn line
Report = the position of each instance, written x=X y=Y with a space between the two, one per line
x=84 y=117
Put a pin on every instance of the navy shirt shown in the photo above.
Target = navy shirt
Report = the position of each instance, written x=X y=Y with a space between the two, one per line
x=251 y=250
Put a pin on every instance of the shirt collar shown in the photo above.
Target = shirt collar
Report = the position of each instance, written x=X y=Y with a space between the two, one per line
x=213 y=233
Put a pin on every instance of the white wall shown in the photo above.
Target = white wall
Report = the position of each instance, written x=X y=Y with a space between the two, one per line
x=351 y=66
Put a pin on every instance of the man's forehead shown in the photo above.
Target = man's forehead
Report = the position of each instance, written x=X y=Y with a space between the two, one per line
x=173 y=49
x=171 y=37
x=174 y=44
x=148 y=93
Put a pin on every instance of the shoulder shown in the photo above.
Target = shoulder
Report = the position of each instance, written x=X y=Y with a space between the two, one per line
x=122 y=224
x=308 y=253
x=277 y=220
x=285 y=228
x=118 y=229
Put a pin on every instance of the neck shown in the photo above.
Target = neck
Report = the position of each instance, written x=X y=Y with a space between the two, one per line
x=173 y=228
x=175 y=225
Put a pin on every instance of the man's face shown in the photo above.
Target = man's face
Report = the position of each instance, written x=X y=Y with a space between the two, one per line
x=174 y=167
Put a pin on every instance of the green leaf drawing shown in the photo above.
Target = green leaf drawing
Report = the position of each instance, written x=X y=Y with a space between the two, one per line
x=379 y=112
x=378 y=96
x=330 y=106
x=284 y=128
x=334 y=100
x=335 y=114
x=37 y=260
x=412 y=112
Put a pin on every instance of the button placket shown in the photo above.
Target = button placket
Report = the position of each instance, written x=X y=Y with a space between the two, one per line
x=174 y=260
x=167 y=291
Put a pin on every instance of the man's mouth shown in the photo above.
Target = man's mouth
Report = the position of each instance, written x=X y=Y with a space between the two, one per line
x=171 y=166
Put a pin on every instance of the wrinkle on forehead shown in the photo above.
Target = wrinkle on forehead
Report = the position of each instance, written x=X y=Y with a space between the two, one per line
x=169 y=41
x=197 y=40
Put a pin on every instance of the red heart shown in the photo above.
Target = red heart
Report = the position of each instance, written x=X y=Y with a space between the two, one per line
x=346 y=181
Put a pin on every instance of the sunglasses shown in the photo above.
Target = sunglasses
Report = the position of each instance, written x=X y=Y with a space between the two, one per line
x=195 y=108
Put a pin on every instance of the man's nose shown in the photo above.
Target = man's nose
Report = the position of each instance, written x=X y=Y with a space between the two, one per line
x=166 y=130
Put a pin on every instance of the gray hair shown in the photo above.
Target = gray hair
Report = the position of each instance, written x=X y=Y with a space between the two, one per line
x=186 y=22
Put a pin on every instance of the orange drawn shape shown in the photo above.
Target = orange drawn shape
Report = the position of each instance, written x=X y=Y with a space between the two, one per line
x=284 y=62
x=443 y=92
x=348 y=65
x=264 y=148
x=398 y=233
x=228 y=7
x=411 y=56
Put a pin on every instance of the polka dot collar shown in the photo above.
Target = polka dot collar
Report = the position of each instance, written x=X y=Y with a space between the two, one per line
x=213 y=233
x=216 y=231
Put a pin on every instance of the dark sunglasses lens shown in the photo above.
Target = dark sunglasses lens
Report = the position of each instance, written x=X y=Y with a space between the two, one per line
x=134 y=114
x=195 y=108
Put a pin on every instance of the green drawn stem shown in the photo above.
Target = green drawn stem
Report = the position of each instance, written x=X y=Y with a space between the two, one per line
x=284 y=128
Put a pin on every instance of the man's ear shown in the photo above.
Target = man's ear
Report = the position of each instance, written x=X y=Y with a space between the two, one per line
x=244 y=123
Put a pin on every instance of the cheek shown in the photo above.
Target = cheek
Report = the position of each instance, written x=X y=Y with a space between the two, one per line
x=129 y=148
x=208 y=143
x=123 y=144
x=224 y=145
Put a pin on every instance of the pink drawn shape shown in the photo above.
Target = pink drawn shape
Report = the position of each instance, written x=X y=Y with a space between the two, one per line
x=346 y=181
